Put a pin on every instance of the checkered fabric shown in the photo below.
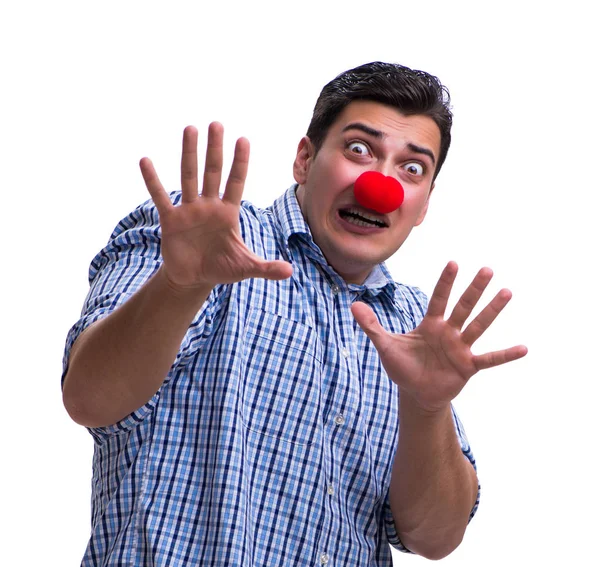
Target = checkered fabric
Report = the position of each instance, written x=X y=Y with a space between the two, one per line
x=272 y=438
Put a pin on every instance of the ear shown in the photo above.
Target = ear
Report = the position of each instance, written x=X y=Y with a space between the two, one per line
x=421 y=216
x=302 y=163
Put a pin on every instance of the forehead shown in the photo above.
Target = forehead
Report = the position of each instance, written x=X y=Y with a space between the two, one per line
x=397 y=128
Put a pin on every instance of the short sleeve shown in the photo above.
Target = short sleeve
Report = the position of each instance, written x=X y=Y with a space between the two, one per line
x=390 y=526
x=130 y=258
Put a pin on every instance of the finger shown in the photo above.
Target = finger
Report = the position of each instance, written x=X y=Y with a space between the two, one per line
x=157 y=192
x=499 y=357
x=368 y=322
x=481 y=323
x=439 y=298
x=239 y=169
x=189 y=165
x=273 y=270
x=214 y=161
x=470 y=297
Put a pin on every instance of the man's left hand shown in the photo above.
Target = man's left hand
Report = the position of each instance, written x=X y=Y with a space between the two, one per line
x=432 y=364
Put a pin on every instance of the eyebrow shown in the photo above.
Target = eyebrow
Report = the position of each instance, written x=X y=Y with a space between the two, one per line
x=380 y=135
x=364 y=128
x=420 y=150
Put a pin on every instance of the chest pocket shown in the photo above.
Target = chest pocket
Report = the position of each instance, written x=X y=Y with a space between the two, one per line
x=281 y=378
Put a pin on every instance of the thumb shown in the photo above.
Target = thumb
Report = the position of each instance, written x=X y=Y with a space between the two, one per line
x=273 y=270
x=368 y=322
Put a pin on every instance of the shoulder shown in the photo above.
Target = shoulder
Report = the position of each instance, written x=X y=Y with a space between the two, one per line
x=410 y=294
x=260 y=230
x=252 y=219
x=251 y=215
x=411 y=301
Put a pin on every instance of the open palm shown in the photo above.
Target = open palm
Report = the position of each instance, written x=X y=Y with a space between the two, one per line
x=433 y=363
x=201 y=243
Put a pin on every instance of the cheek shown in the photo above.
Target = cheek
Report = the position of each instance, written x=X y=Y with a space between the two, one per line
x=416 y=206
x=337 y=173
x=414 y=202
x=415 y=196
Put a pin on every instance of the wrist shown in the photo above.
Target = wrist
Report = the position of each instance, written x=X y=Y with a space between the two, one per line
x=409 y=405
x=182 y=293
x=424 y=430
x=414 y=415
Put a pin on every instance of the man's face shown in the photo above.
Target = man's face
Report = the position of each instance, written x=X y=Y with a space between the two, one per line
x=366 y=136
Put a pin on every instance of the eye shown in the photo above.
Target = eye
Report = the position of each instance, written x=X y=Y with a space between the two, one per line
x=358 y=148
x=413 y=168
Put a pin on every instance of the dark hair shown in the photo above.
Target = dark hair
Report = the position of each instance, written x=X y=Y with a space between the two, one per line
x=409 y=91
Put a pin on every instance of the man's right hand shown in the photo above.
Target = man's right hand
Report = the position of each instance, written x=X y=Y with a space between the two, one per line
x=119 y=362
x=201 y=244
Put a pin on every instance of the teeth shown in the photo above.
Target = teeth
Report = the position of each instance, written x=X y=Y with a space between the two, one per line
x=364 y=215
x=359 y=218
x=358 y=222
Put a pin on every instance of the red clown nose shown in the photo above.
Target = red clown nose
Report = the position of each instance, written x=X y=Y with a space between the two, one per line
x=377 y=192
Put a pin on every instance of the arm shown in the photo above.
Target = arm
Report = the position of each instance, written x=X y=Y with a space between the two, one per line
x=119 y=362
x=433 y=486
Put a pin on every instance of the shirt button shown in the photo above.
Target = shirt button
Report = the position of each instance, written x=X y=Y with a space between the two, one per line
x=335 y=289
x=330 y=489
x=324 y=558
x=345 y=352
x=339 y=419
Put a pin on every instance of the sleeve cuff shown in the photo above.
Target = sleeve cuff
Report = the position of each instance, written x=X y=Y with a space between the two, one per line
x=390 y=527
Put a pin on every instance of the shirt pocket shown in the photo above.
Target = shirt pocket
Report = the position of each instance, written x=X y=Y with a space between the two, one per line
x=281 y=378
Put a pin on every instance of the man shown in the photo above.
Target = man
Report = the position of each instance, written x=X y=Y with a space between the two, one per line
x=259 y=389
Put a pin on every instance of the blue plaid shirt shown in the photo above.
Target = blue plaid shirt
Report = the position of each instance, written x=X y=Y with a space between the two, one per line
x=272 y=438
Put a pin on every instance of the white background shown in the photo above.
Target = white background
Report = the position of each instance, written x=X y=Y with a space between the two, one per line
x=87 y=89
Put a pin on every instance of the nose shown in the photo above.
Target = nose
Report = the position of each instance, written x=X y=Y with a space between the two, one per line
x=378 y=192
x=386 y=168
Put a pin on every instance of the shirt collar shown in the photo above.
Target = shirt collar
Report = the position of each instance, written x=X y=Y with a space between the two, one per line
x=378 y=281
x=288 y=213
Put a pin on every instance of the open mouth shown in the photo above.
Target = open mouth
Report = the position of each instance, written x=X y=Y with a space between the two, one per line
x=360 y=218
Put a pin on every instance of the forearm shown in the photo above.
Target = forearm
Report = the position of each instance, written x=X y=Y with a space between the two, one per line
x=433 y=487
x=119 y=363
